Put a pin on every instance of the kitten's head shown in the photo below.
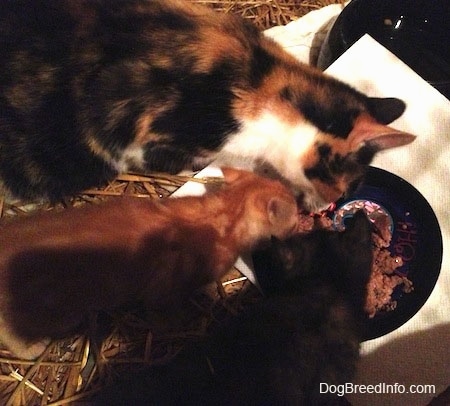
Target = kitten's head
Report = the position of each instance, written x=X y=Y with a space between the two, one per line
x=269 y=207
x=341 y=259
x=313 y=131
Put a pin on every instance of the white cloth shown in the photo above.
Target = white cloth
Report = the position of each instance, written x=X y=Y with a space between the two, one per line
x=418 y=352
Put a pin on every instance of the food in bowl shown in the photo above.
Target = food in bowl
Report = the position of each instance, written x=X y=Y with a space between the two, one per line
x=384 y=279
x=385 y=276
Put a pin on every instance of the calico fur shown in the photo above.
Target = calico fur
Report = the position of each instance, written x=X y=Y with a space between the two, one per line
x=307 y=330
x=59 y=269
x=93 y=88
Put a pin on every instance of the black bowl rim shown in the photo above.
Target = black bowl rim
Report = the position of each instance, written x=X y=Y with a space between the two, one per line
x=410 y=303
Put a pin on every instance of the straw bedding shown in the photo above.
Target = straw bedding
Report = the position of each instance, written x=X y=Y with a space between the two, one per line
x=71 y=369
x=268 y=13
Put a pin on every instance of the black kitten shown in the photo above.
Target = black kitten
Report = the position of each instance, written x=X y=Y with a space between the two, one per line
x=306 y=332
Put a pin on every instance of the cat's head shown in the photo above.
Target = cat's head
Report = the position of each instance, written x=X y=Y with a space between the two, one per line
x=313 y=131
x=343 y=259
x=269 y=206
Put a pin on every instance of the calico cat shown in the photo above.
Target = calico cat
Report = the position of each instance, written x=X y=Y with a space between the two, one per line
x=58 y=269
x=278 y=351
x=93 y=88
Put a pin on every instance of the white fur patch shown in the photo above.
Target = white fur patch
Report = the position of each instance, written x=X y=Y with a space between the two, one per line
x=270 y=140
x=132 y=157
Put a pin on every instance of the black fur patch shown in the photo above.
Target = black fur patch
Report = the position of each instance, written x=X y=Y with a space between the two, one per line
x=324 y=151
x=320 y=171
x=330 y=105
x=365 y=154
x=168 y=19
x=261 y=65
x=122 y=16
x=333 y=118
x=124 y=32
x=330 y=165
x=166 y=158
x=287 y=94
x=117 y=135
x=210 y=97
x=59 y=178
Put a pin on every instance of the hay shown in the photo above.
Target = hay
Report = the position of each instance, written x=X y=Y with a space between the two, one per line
x=71 y=369
x=267 y=13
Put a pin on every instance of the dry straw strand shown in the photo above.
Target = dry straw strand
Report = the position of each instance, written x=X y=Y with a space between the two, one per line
x=25 y=379
x=267 y=13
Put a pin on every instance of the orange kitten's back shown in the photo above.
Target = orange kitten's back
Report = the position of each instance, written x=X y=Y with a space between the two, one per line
x=56 y=269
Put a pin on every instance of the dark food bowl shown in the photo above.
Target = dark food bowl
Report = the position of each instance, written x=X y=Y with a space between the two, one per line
x=416 y=31
x=416 y=237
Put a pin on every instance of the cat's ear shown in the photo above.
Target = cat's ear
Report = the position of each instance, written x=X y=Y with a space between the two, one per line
x=231 y=175
x=367 y=131
x=282 y=216
x=386 y=109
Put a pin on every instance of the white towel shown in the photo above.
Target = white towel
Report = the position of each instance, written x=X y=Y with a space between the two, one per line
x=418 y=352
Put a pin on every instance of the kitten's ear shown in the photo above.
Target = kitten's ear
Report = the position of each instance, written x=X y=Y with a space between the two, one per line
x=386 y=109
x=356 y=251
x=358 y=229
x=231 y=175
x=285 y=256
x=282 y=216
x=367 y=131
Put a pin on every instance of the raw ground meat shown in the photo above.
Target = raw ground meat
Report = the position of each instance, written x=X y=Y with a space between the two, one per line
x=383 y=279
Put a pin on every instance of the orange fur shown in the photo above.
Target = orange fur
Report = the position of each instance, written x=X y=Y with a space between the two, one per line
x=58 y=268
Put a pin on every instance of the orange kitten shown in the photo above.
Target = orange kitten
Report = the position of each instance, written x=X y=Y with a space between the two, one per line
x=57 y=269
